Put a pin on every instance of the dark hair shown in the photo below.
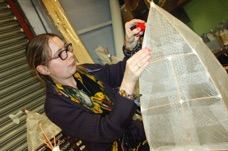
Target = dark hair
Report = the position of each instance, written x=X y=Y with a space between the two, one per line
x=38 y=52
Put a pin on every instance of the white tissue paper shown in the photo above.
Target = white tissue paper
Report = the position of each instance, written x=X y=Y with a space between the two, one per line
x=184 y=89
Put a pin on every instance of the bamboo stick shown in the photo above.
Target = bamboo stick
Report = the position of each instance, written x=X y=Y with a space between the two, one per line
x=64 y=26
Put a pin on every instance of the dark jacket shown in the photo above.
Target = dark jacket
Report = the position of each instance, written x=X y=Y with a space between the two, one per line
x=98 y=131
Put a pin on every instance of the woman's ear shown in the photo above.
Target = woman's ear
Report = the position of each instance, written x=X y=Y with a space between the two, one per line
x=43 y=69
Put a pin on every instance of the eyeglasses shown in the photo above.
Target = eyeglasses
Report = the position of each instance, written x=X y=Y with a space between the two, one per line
x=64 y=53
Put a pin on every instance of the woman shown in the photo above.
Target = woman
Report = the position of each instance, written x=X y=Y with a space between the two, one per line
x=82 y=100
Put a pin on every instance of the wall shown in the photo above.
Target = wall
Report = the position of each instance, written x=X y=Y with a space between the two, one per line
x=85 y=16
x=206 y=15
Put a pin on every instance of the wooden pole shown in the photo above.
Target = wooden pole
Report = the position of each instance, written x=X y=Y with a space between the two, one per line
x=64 y=26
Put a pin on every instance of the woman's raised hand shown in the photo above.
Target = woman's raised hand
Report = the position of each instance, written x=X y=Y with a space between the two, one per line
x=134 y=68
x=132 y=35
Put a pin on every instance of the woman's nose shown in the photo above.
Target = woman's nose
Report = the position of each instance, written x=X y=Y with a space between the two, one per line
x=70 y=54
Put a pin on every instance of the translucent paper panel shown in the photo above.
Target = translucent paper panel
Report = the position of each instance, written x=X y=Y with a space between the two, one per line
x=185 y=126
x=184 y=89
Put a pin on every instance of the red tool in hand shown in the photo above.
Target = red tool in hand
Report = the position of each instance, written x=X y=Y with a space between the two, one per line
x=141 y=26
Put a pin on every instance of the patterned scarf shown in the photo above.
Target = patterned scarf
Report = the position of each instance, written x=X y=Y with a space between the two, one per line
x=89 y=92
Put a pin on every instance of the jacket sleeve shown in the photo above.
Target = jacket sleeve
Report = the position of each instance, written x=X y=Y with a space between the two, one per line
x=111 y=74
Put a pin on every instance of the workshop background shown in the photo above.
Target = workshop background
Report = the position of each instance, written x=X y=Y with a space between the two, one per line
x=95 y=23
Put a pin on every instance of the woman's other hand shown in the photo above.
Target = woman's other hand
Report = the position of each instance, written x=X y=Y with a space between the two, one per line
x=134 y=68
x=132 y=35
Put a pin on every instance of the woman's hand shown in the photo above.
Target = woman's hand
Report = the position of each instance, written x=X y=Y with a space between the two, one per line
x=134 y=68
x=132 y=36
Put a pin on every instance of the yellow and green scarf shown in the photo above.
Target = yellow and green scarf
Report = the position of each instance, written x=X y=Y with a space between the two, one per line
x=90 y=93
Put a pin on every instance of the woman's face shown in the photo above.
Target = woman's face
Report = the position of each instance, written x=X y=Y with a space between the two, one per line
x=60 y=69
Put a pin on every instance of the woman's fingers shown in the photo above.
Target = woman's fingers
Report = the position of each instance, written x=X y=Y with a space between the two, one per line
x=139 y=61
x=134 y=68
x=141 y=56
x=132 y=36
x=132 y=23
